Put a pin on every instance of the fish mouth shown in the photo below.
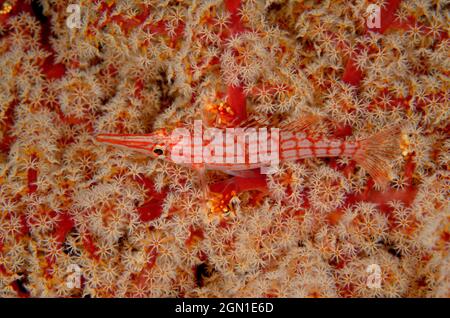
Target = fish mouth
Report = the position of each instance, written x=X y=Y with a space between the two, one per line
x=142 y=143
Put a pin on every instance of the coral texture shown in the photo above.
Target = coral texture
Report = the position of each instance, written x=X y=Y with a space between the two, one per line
x=132 y=226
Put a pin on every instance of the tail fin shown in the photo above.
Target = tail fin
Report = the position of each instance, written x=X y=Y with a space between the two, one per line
x=376 y=152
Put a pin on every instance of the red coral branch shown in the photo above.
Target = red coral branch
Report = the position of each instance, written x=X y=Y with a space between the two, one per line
x=195 y=235
x=352 y=75
x=152 y=208
x=387 y=15
x=237 y=100
x=31 y=179
x=235 y=20
x=63 y=227
x=89 y=245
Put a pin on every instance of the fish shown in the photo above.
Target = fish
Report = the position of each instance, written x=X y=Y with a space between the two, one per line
x=294 y=142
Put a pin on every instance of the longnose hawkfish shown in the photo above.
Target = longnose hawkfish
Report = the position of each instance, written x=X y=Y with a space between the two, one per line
x=294 y=142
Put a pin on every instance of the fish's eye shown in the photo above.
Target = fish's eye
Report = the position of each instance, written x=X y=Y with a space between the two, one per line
x=159 y=151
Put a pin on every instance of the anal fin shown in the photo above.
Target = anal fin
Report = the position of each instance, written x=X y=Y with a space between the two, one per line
x=251 y=173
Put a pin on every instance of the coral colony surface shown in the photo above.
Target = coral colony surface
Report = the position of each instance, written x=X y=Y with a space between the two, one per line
x=82 y=218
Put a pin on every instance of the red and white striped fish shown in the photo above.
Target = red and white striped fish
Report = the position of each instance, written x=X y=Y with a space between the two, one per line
x=373 y=154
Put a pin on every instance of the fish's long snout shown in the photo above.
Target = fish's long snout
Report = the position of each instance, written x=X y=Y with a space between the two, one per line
x=142 y=143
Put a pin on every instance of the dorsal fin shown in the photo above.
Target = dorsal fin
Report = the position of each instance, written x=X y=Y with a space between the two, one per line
x=296 y=125
x=302 y=123
x=299 y=124
x=254 y=122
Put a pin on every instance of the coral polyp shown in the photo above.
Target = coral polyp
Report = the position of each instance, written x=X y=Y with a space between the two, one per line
x=361 y=210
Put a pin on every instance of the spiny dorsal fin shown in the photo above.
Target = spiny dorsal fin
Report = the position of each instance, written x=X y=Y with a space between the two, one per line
x=296 y=125
x=303 y=123
x=254 y=122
